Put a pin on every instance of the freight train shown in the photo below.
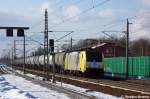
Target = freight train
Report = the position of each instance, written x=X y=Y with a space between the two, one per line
x=87 y=62
x=90 y=63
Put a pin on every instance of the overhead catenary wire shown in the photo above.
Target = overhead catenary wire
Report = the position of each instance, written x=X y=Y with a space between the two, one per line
x=60 y=7
x=54 y=12
x=39 y=23
x=34 y=40
x=109 y=24
x=121 y=20
x=54 y=35
x=124 y=19
x=36 y=24
x=113 y=23
x=64 y=36
x=83 y=12
x=94 y=6
x=55 y=40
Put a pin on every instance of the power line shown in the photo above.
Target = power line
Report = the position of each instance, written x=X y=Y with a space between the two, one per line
x=110 y=24
x=113 y=23
x=54 y=12
x=132 y=17
x=64 y=36
x=60 y=7
x=83 y=12
x=36 y=24
x=34 y=40
x=54 y=35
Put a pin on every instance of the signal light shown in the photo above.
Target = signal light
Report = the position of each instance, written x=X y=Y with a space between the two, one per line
x=51 y=45
x=9 y=32
x=20 y=32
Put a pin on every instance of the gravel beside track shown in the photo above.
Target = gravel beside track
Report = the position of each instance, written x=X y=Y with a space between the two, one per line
x=117 y=87
x=71 y=93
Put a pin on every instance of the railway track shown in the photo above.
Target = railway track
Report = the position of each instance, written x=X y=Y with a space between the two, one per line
x=3 y=70
x=129 y=86
x=126 y=84
x=71 y=93
x=117 y=88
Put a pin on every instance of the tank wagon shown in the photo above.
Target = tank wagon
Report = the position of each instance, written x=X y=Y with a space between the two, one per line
x=75 y=62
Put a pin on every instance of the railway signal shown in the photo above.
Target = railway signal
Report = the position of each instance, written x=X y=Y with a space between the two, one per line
x=9 y=32
x=20 y=33
x=51 y=45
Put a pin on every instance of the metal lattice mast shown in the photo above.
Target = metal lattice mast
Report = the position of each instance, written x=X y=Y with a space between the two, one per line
x=46 y=42
x=127 y=49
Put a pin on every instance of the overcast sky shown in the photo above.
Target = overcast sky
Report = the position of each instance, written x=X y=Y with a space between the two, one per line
x=110 y=15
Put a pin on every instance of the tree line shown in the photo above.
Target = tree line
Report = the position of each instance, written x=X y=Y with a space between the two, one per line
x=138 y=47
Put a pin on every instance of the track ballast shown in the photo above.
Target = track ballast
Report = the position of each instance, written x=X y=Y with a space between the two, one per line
x=113 y=87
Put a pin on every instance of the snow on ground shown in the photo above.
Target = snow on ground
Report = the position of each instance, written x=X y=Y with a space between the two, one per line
x=39 y=92
x=98 y=95
x=14 y=87
x=34 y=76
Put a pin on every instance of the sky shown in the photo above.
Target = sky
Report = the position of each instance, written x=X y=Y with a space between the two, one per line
x=87 y=18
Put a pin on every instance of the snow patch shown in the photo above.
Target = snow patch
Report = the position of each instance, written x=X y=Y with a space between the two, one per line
x=14 y=87
x=98 y=95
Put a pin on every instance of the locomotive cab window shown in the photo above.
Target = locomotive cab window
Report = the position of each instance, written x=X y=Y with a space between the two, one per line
x=94 y=56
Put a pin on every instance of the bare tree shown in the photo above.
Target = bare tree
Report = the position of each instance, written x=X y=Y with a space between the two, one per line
x=141 y=47
x=39 y=51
